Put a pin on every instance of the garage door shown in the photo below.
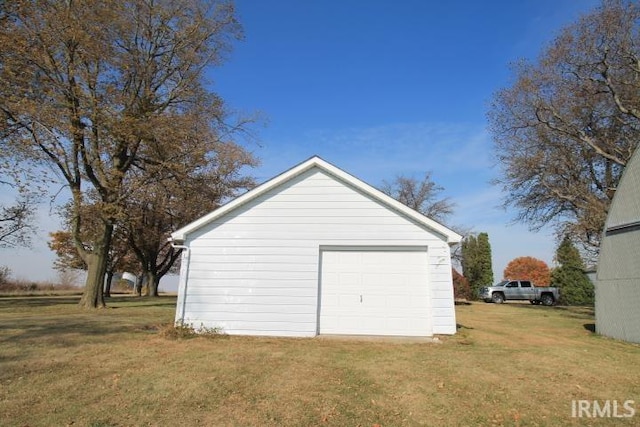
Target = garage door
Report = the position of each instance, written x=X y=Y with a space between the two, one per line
x=374 y=292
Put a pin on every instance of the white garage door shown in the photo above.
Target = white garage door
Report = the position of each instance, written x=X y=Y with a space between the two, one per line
x=375 y=292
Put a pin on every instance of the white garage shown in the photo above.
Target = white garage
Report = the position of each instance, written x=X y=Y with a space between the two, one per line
x=316 y=251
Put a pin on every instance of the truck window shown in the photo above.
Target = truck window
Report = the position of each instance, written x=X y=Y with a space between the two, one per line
x=525 y=284
x=512 y=285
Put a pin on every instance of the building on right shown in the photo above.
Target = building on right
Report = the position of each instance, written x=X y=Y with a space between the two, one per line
x=618 y=275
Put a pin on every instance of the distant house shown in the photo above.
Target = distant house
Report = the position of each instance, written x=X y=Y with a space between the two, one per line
x=618 y=277
x=316 y=251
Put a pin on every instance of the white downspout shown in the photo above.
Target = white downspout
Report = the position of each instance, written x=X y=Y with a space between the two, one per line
x=184 y=272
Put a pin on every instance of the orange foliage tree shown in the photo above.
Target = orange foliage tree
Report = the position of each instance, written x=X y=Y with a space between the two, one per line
x=528 y=268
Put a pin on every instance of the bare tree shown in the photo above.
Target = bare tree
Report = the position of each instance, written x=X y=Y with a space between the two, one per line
x=16 y=218
x=95 y=89
x=569 y=123
x=421 y=196
x=16 y=224
x=158 y=208
x=17 y=215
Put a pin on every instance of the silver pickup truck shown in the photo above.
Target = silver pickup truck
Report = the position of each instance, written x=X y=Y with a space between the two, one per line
x=519 y=290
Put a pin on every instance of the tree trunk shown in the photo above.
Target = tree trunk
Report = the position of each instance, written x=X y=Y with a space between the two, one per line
x=93 y=296
x=152 y=281
x=107 y=285
x=138 y=286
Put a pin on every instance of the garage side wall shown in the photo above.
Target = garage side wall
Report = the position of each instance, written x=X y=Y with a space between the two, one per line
x=255 y=270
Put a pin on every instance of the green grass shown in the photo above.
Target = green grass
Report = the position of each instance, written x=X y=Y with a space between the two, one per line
x=510 y=364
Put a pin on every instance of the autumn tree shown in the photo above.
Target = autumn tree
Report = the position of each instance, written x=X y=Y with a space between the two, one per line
x=528 y=268
x=61 y=242
x=567 y=126
x=119 y=258
x=420 y=195
x=95 y=89
x=476 y=262
x=575 y=286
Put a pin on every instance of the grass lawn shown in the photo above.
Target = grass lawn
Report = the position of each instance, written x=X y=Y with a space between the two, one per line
x=510 y=364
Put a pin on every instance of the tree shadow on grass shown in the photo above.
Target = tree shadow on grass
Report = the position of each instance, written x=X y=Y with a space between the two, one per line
x=58 y=322
x=26 y=302
x=13 y=303
x=58 y=331
x=571 y=311
x=142 y=302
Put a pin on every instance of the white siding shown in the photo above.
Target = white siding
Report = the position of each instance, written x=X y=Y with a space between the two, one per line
x=255 y=270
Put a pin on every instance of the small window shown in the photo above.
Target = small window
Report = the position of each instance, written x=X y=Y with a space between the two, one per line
x=525 y=284
x=512 y=285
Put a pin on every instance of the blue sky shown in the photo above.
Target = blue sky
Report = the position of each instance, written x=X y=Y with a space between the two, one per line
x=379 y=88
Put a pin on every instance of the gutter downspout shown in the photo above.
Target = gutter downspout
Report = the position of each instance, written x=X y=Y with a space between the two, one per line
x=185 y=264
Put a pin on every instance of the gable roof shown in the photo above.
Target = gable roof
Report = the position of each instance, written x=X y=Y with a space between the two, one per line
x=316 y=162
x=624 y=213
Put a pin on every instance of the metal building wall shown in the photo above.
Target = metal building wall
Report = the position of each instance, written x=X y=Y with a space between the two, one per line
x=618 y=278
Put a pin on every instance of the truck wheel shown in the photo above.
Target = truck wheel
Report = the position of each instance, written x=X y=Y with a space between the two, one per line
x=547 y=300
x=497 y=297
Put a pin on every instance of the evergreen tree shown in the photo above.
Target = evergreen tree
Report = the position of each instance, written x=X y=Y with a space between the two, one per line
x=485 y=268
x=575 y=286
x=476 y=262
x=468 y=259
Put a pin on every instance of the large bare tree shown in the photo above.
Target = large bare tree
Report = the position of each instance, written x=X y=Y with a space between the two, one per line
x=420 y=195
x=155 y=210
x=95 y=89
x=566 y=127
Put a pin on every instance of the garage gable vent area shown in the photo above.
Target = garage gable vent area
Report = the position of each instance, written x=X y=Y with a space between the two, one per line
x=315 y=251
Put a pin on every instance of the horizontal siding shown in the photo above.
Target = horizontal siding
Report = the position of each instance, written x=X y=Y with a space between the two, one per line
x=313 y=232
x=267 y=291
x=617 y=313
x=261 y=308
x=257 y=266
x=240 y=277
x=620 y=256
x=255 y=270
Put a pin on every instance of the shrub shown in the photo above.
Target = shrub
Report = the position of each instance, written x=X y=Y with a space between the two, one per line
x=182 y=330
x=461 y=286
